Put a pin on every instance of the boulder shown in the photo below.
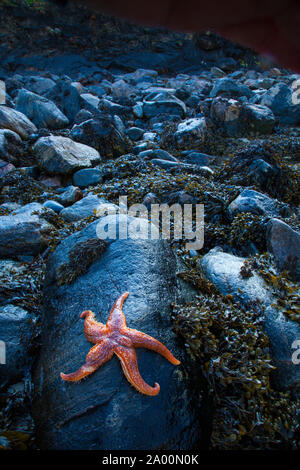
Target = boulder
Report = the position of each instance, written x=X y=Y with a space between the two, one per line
x=16 y=121
x=198 y=158
x=163 y=103
x=85 y=207
x=191 y=132
x=11 y=146
x=66 y=96
x=284 y=243
x=69 y=195
x=61 y=155
x=39 y=85
x=24 y=231
x=86 y=177
x=41 y=111
x=254 y=202
x=103 y=135
x=230 y=88
x=239 y=119
x=16 y=332
x=107 y=410
x=284 y=103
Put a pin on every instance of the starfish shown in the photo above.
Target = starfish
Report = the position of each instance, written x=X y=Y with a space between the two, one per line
x=116 y=338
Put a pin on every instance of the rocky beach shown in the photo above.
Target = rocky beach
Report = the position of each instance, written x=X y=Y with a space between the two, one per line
x=92 y=110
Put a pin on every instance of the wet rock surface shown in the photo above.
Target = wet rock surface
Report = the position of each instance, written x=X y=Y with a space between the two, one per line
x=61 y=155
x=104 y=406
x=24 y=232
x=224 y=270
x=16 y=331
x=111 y=109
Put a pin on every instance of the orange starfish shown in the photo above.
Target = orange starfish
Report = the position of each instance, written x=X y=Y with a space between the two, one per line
x=116 y=337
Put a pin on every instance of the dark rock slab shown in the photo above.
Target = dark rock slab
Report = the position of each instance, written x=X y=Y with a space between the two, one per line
x=105 y=411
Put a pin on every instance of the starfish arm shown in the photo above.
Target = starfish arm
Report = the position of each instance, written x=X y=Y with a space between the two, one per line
x=93 y=330
x=97 y=356
x=129 y=364
x=141 y=340
x=116 y=318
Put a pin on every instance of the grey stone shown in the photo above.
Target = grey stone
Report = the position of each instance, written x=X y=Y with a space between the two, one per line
x=70 y=195
x=223 y=269
x=255 y=202
x=158 y=154
x=11 y=146
x=86 y=177
x=97 y=90
x=16 y=331
x=135 y=133
x=39 y=85
x=260 y=118
x=23 y=232
x=191 y=132
x=41 y=111
x=61 y=155
x=83 y=208
x=89 y=102
x=284 y=243
x=197 y=158
x=123 y=93
x=113 y=108
x=66 y=96
x=54 y=205
x=239 y=119
x=102 y=134
x=284 y=103
x=230 y=88
x=165 y=164
x=163 y=103
x=16 y=121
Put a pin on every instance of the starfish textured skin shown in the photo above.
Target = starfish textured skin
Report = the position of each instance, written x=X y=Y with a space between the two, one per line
x=116 y=338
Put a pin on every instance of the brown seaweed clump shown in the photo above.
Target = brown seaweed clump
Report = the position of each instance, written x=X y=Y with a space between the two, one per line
x=81 y=256
x=231 y=350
